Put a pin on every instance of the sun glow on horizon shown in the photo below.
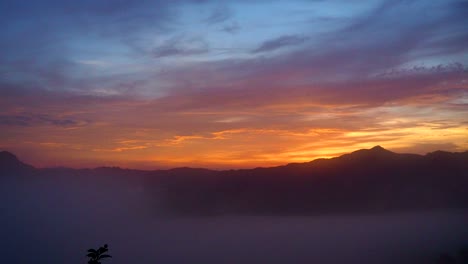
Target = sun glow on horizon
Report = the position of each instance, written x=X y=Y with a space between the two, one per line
x=239 y=148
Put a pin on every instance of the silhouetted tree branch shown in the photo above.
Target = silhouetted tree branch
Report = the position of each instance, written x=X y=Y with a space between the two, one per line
x=96 y=255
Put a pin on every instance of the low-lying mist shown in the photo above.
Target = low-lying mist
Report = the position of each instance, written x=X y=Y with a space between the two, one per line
x=56 y=219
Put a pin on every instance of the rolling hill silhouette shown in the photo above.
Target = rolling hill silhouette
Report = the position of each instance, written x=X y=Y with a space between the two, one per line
x=368 y=180
x=11 y=165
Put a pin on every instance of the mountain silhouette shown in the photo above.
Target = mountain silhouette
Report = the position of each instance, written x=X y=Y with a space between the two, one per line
x=10 y=164
x=367 y=180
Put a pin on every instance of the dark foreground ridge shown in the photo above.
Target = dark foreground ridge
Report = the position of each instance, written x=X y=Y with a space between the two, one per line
x=368 y=180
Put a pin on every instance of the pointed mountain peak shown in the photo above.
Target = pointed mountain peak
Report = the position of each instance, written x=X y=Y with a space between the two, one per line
x=376 y=151
x=6 y=156
x=378 y=148
x=9 y=162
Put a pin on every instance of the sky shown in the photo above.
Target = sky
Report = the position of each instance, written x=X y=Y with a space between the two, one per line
x=229 y=84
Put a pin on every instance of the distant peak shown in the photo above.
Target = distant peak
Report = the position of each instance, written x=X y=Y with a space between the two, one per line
x=5 y=155
x=379 y=148
x=8 y=161
x=375 y=151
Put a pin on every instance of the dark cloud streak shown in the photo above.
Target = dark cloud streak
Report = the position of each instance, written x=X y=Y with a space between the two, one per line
x=181 y=47
x=280 y=42
x=29 y=120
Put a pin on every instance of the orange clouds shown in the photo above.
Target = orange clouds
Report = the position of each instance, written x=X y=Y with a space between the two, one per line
x=175 y=131
x=238 y=148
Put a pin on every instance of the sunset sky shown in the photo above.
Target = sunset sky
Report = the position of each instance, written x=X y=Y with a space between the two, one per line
x=229 y=84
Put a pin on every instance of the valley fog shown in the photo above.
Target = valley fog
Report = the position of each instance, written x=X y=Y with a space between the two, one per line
x=55 y=220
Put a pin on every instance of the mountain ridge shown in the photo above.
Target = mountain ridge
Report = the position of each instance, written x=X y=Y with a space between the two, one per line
x=7 y=158
x=375 y=180
x=9 y=162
